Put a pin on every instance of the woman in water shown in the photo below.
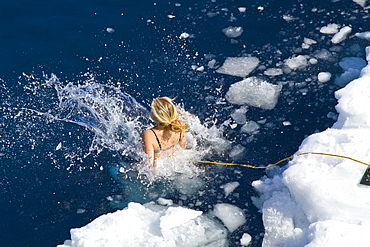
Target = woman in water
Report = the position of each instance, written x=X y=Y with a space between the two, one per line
x=169 y=132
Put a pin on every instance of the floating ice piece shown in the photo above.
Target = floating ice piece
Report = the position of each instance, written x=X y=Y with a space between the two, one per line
x=273 y=72
x=171 y=16
x=239 y=115
x=364 y=35
x=254 y=92
x=229 y=187
x=59 y=146
x=308 y=42
x=298 y=62
x=341 y=35
x=150 y=225
x=165 y=202
x=233 y=32
x=238 y=66
x=232 y=216
x=184 y=35
x=242 y=9
x=331 y=28
x=246 y=239
x=236 y=151
x=250 y=127
x=324 y=76
x=110 y=30
x=362 y=3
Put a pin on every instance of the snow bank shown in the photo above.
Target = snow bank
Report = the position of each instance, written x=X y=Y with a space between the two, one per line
x=151 y=225
x=317 y=200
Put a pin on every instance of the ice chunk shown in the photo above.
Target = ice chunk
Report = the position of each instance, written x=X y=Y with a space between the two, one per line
x=298 y=62
x=138 y=225
x=233 y=32
x=331 y=28
x=273 y=72
x=232 y=216
x=236 y=151
x=238 y=66
x=246 y=239
x=255 y=92
x=175 y=216
x=239 y=115
x=242 y=9
x=364 y=35
x=250 y=127
x=184 y=36
x=229 y=187
x=110 y=30
x=324 y=76
x=307 y=43
x=362 y=3
x=341 y=35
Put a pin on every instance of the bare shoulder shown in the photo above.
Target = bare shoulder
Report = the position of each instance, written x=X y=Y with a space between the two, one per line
x=147 y=134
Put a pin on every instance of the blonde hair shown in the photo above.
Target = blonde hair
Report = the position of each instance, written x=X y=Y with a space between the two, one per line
x=166 y=115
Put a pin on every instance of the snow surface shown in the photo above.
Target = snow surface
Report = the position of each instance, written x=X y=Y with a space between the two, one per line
x=317 y=200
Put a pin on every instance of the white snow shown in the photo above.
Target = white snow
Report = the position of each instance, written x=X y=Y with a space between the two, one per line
x=238 y=66
x=232 y=216
x=317 y=200
x=255 y=92
x=233 y=32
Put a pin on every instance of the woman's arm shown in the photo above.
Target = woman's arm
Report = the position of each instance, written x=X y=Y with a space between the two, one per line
x=147 y=141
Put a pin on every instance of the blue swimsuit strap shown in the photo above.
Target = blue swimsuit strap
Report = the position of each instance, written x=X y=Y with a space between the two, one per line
x=160 y=146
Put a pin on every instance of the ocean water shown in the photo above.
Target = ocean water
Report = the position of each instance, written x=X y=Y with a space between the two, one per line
x=70 y=70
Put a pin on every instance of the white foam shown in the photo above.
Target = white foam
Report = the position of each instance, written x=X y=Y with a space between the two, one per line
x=232 y=216
x=255 y=92
x=238 y=66
x=317 y=200
x=233 y=32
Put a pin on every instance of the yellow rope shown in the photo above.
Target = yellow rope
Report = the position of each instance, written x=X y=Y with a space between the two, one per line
x=290 y=157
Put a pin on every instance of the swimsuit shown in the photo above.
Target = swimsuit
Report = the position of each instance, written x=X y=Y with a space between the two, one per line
x=160 y=146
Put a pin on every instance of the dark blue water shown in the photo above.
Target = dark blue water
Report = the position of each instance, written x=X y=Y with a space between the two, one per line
x=42 y=186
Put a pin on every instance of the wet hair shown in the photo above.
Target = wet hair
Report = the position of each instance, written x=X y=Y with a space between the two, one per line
x=166 y=115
